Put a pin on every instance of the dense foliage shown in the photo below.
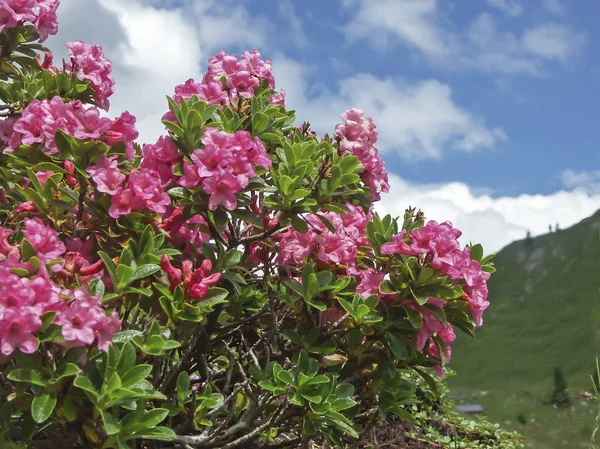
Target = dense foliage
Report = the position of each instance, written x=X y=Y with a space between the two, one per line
x=227 y=286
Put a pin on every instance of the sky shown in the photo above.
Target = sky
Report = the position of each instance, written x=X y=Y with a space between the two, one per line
x=486 y=110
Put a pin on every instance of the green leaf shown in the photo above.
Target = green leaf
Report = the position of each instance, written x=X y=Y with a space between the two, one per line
x=477 y=252
x=42 y=407
x=183 y=386
x=85 y=384
x=135 y=375
x=68 y=370
x=397 y=346
x=160 y=433
x=299 y=224
x=96 y=287
x=27 y=376
x=144 y=271
x=214 y=296
x=110 y=424
x=153 y=417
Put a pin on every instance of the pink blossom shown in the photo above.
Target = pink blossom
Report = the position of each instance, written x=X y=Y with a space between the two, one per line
x=162 y=157
x=41 y=13
x=79 y=320
x=144 y=190
x=123 y=130
x=16 y=331
x=224 y=166
x=201 y=279
x=46 y=21
x=89 y=63
x=44 y=240
x=107 y=176
x=278 y=98
x=222 y=190
x=358 y=136
x=124 y=202
x=105 y=329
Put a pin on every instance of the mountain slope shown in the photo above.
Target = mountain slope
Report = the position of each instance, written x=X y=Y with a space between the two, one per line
x=544 y=313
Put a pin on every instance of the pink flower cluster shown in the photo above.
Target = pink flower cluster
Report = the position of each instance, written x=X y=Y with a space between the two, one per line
x=340 y=248
x=89 y=63
x=196 y=282
x=41 y=13
x=23 y=300
x=224 y=166
x=162 y=157
x=358 y=136
x=140 y=189
x=440 y=248
x=242 y=78
x=182 y=232
x=432 y=326
x=40 y=121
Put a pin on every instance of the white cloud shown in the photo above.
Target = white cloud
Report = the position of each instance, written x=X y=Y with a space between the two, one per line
x=153 y=49
x=553 y=6
x=587 y=181
x=493 y=222
x=411 y=21
x=509 y=7
x=288 y=13
x=416 y=120
x=422 y=26
x=552 y=41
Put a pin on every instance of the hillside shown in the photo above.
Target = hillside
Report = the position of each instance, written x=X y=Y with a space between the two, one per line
x=544 y=313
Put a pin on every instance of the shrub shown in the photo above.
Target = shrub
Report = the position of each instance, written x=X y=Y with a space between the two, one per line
x=227 y=286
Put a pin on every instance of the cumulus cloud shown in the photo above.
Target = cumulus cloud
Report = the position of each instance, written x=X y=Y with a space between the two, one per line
x=413 y=22
x=493 y=222
x=587 y=181
x=414 y=119
x=421 y=25
x=153 y=48
x=509 y=7
x=552 y=41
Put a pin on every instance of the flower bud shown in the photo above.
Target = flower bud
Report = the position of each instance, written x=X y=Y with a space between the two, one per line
x=73 y=262
x=94 y=268
x=174 y=274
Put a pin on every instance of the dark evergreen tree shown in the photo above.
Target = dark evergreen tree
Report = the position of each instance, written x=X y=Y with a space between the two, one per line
x=560 y=395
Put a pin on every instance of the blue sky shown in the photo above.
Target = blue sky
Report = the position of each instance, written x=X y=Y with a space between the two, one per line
x=486 y=109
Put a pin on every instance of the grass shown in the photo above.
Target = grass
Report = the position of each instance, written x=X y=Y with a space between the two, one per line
x=544 y=313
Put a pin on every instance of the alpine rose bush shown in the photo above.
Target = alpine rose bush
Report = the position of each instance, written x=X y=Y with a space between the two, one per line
x=227 y=286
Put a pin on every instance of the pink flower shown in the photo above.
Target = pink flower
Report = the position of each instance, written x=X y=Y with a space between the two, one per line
x=124 y=202
x=16 y=331
x=398 y=245
x=162 y=157
x=173 y=274
x=278 y=98
x=46 y=21
x=79 y=320
x=105 y=329
x=196 y=282
x=107 y=176
x=89 y=63
x=122 y=130
x=201 y=280
x=358 y=136
x=29 y=125
x=41 y=13
x=222 y=190
x=44 y=240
